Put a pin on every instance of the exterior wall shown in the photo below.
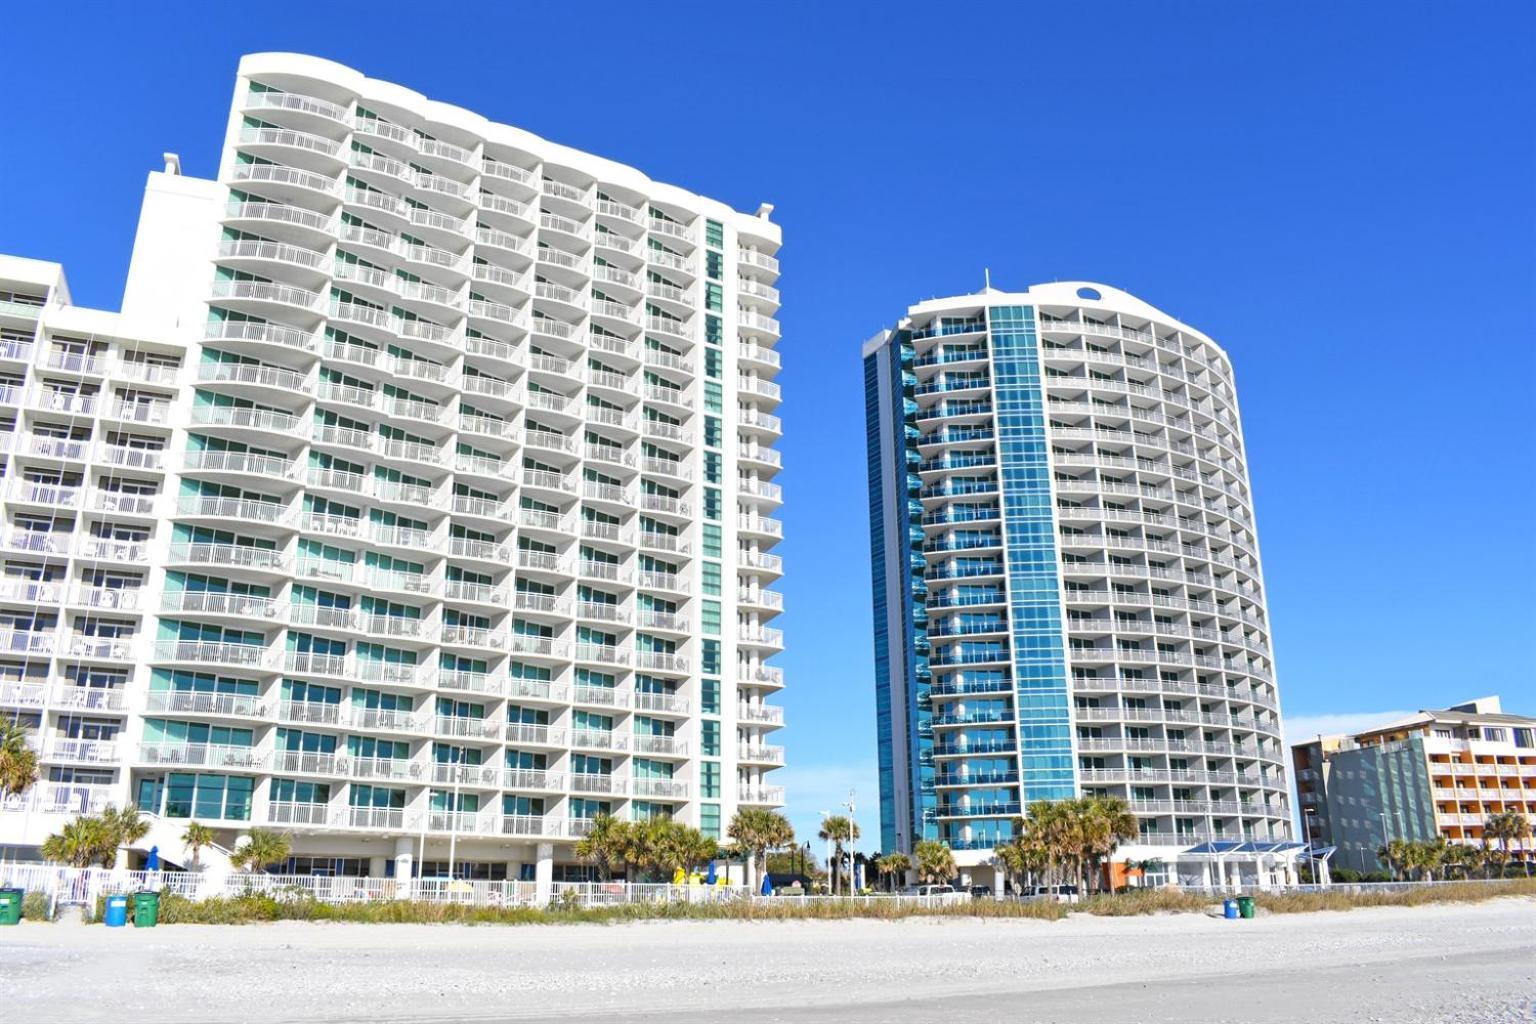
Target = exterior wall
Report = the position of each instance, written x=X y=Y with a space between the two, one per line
x=1377 y=793
x=458 y=521
x=1092 y=584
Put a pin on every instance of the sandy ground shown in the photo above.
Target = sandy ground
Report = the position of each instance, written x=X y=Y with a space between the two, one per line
x=1440 y=964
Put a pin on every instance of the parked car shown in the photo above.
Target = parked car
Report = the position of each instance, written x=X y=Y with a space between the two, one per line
x=981 y=892
x=1058 y=893
x=931 y=890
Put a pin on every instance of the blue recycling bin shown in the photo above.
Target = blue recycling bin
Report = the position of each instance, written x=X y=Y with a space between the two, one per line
x=117 y=912
x=1229 y=909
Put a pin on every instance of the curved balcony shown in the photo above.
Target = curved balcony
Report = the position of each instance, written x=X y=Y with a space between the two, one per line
x=325 y=115
x=281 y=183
x=268 y=298
x=283 y=222
x=281 y=338
x=261 y=257
x=290 y=146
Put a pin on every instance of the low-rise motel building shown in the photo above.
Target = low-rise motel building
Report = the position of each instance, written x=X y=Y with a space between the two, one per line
x=1437 y=773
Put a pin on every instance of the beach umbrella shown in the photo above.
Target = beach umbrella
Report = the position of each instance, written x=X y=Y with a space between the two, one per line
x=767 y=885
x=709 y=879
x=152 y=862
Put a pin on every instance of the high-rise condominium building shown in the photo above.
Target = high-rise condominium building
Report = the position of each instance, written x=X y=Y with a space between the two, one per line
x=1437 y=774
x=420 y=498
x=1068 y=599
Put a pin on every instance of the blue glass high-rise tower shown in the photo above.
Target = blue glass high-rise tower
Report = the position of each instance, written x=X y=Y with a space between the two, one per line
x=1067 y=592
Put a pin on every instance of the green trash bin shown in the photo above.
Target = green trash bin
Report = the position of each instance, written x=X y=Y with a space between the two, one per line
x=10 y=906
x=1245 y=906
x=146 y=909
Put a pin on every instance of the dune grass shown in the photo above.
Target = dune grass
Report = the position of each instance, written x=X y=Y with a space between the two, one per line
x=1453 y=892
x=254 y=908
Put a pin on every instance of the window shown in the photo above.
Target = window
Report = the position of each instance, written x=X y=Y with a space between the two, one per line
x=714 y=234
x=710 y=738
x=714 y=265
x=709 y=575
x=709 y=617
x=714 y=296
x=712 y=550
x=709 y=658
x=712 y=507
x=712 y=470
x=208 y=797
x=713 y=399
x=714 y=363
x=709 y=696
x=709 y=820
x=714 y=329
x=713 y=435
x=709 y=780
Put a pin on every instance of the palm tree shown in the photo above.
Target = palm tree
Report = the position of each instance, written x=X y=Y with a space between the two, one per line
x=79 y=843
x=262 y=848
x=755 y=831
x=126 y=826
x=1460 y=857
x=1051 y=827
x=1395 y=855
x=1506 y=827
x=935 y=863
x=663 y=847
x=607 y=844
x=1022 y=858
x=195 y=838
x=18 y=761
x=838 y=830
x=1142 y=868
x=891 y=865
x=1104 y=823
x=1428 y=857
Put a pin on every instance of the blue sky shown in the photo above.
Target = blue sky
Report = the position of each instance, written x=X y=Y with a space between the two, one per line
x=1342 y=194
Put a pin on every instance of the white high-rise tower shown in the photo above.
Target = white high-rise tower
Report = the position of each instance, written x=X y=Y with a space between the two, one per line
x=421 y=496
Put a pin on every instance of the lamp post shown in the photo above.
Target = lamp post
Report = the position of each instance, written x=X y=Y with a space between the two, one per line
x=824 y=816
x=853 y=842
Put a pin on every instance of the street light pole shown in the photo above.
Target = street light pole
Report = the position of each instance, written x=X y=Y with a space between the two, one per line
x=853 y=843
x=825 y=815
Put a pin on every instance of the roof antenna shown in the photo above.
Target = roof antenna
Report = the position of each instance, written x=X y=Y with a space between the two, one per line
x=986 y=274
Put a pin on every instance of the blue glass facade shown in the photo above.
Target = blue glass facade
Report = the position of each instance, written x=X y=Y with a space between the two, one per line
x=884 y=720
x=902 y=675
x=1042 y=700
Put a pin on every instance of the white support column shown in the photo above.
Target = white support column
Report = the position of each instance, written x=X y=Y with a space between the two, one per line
x=544 y=874
x=405 y=861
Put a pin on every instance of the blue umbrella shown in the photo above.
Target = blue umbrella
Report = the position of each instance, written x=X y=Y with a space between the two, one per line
x=709 y=879
x=152 y=862
x=767 y=885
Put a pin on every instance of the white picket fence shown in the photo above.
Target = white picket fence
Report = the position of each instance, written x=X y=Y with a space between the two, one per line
x=83 y=885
